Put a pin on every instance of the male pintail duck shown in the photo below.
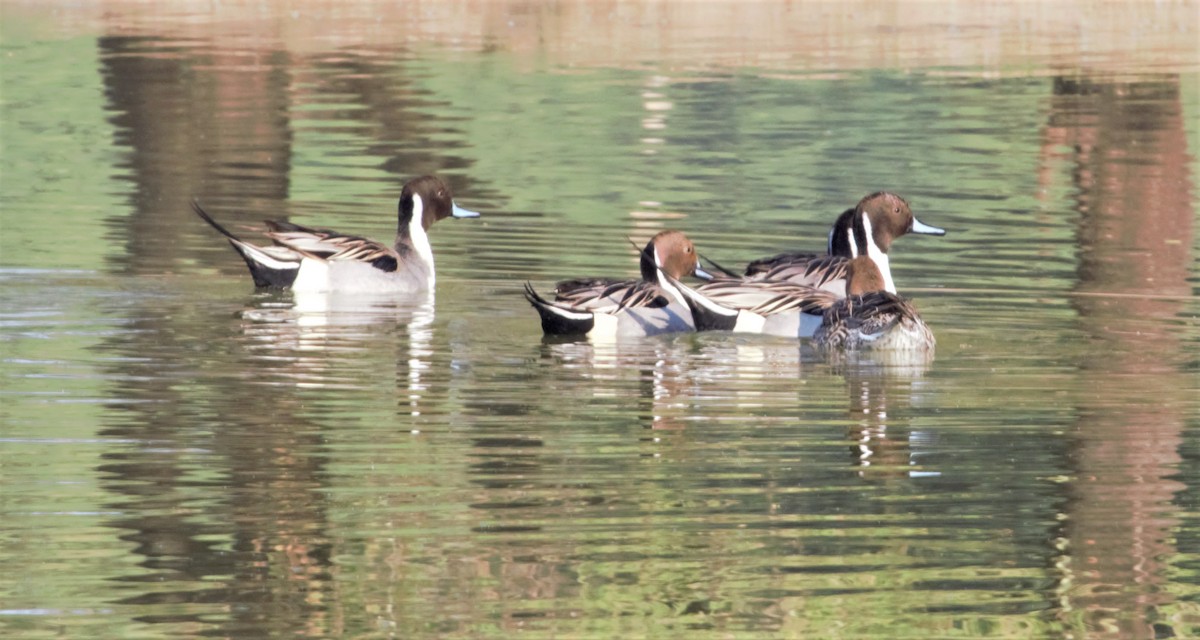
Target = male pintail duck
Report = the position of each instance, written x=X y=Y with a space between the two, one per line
x=306 y=259
x=870 y=317
x=606 y=308
x=873 y=224
x=745 y=305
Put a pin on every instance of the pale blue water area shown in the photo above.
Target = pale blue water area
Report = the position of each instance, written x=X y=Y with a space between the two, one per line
x=184 y=456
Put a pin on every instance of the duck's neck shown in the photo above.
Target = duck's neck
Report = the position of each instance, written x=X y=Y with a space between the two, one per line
x=652 y=273
x=861 y=240
x=413 y=243
x=881 y=260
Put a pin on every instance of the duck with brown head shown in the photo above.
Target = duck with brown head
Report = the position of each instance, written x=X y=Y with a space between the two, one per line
x=308 y=259
x=606 y=308
x=867 y=229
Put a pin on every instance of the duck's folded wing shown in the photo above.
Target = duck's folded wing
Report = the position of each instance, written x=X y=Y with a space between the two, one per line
x=581 y=290
x=768 y=297
x=603 y=295
x=331 y=246
x=806 y=269
x=618 y=296
x=762 y=266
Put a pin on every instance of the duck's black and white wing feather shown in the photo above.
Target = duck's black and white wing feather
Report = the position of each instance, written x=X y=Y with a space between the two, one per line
x=799 y=268
x=767 y=297
x=599 y=295
x=331 y=246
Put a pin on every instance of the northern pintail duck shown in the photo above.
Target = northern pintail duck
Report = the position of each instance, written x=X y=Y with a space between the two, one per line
x=606 y=308
x=307 y=259
x=871 y=318
x=869 y=228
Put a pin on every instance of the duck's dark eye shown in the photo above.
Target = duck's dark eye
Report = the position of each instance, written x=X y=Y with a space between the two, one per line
x=897 y=209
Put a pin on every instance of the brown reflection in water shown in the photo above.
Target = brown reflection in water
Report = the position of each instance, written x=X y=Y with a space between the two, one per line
x=1130 y=167
x=214 y=122
x=262 y=548
x=854 y=34
x=407 y=139
x=197 y=123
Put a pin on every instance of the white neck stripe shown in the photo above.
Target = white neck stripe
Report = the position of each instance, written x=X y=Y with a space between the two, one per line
x=420 y=239
x=878 y=256
x=711 y=305
x=667 y=286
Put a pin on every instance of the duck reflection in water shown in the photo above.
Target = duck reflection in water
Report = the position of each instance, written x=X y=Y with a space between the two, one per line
x=318 y=334
x=652 y=369
x=881 y=395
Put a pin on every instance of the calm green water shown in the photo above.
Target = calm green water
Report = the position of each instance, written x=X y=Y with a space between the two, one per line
x=181 y=456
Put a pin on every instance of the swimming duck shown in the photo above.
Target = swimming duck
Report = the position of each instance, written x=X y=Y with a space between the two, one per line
x=607 y=308
x=869 y=228
x=871 y=317
x=307 y=259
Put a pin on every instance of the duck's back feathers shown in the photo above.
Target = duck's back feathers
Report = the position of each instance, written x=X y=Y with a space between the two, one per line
x=580 y=290
x=823 y=272
x=768 y=297
x=323 y=244
x=761 y=266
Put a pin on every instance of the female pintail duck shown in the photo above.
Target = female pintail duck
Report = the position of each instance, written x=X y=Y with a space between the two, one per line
x=306 y=259
x=606 y=308
x=744 y=305
x=870 y=317
x=869 y=228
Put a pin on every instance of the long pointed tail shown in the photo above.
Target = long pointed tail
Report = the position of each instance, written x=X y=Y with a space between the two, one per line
x=209 y=219
x=559 y=320
x=270 y=267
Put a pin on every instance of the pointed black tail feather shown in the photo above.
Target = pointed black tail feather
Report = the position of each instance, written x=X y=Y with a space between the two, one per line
x=209 y=219
x=557 y=320
x=256 y=259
